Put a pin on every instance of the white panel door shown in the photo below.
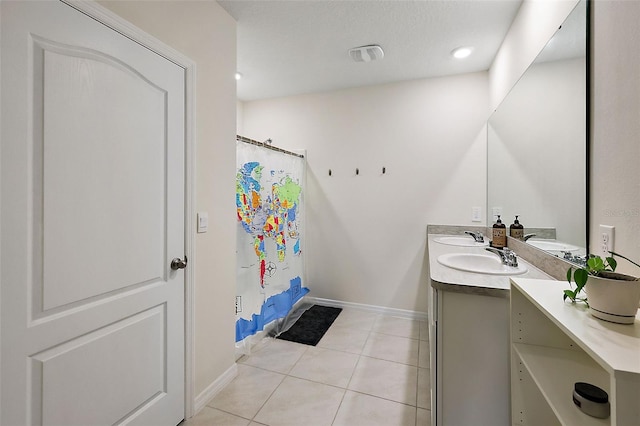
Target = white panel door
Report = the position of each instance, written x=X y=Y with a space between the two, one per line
x=92 y=196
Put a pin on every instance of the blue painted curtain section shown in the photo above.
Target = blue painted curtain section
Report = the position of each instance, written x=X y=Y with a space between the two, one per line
x=270 y=203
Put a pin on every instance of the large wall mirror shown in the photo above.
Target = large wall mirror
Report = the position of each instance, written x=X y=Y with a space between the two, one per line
x=537 y=144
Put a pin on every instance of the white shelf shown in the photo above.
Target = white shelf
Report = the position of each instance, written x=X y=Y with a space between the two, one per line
x=555 y=371
x=616 y=347
x=555 y=344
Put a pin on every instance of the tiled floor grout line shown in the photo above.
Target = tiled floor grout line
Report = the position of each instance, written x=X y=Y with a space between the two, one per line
x=253 y=419
x=344 y=393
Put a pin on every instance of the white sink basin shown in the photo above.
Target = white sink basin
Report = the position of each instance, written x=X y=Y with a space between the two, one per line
x=552 y=245
x=479 y=263
x=461 y=240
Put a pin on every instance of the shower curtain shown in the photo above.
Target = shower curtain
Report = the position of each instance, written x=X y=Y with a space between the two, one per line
x=270 y=267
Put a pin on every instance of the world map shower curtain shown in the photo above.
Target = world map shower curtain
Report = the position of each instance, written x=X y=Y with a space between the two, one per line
x=270 y=206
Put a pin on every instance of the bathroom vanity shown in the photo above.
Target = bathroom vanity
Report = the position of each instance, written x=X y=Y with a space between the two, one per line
x=506 y=349
x=469 y=335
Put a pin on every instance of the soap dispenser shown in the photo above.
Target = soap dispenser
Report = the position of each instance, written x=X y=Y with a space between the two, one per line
x=499 y=234
x=516 y=230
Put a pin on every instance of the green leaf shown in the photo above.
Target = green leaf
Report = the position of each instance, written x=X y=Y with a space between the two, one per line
x=596 y=263
x=580 y=276
x=570 y=294
x=569 y=275
x=612 y=263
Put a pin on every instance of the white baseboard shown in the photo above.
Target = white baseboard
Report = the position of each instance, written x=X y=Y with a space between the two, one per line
x=214 y=388
x=401 y=313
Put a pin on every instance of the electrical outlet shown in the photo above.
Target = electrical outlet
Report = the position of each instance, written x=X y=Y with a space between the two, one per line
x=238 y=304
x=476 y=214
x=607 y=239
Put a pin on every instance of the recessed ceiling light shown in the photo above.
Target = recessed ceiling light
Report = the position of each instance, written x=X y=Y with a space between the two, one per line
x=461 y=52
x=238 y=76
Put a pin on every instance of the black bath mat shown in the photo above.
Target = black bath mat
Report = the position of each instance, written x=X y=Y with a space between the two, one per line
x=311 y=325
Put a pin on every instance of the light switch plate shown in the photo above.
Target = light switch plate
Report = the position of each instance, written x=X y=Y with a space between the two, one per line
x=476 y=214
x=203 y=222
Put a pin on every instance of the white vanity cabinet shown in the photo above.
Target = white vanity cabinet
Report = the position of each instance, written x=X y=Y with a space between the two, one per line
x=472 y=360
x=555 y=344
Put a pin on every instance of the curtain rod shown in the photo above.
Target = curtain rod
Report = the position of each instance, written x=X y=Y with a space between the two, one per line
x=264 y=145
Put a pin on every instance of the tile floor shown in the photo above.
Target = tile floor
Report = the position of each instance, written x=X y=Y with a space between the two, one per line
x=368 y=369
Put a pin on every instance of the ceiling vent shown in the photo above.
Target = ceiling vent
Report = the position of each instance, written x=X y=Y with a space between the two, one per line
x=366 y=53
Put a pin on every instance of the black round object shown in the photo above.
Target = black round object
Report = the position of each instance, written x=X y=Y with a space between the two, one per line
x=591 y=392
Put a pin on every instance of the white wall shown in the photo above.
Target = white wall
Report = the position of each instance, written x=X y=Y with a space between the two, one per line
x=240 y=118
x=366 y=233
x=533 y=27
x=615 y=151
x=204 y=32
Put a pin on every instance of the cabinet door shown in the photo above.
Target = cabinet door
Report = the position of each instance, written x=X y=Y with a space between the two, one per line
x=473 y=361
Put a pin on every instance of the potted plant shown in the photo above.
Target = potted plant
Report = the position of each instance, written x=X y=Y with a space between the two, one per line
x=610 y=295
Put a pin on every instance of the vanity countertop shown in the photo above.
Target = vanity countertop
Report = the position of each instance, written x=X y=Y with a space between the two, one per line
x=448 y=279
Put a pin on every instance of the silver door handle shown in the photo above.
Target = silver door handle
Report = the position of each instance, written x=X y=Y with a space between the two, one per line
x=178 y=263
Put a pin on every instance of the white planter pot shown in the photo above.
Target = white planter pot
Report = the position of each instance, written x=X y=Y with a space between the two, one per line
x=613 y=300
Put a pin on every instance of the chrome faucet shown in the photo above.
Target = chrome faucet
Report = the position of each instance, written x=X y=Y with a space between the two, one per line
x=507 y=256
x=526 y=237
x=476 y=236
x=577 y=259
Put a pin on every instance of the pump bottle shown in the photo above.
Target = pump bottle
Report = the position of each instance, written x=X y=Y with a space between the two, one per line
x=499 y=234
x=516 y=230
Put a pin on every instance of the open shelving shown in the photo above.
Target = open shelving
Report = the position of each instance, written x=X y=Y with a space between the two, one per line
x=555 y=344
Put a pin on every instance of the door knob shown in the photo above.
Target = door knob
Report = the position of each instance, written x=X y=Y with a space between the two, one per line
x=178 y=263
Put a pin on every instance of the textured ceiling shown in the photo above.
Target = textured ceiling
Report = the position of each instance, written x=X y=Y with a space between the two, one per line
x=294 y=47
